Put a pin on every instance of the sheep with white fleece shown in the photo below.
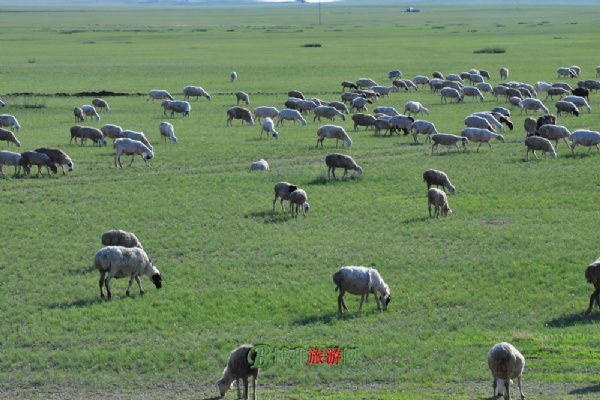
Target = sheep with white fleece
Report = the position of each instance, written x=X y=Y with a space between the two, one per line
x=415 y=107
x=473 y=92
x=240 y=366
x=328 y=112
x=333 y=132
x=264 y=112
x=554 y=132
x=190 y=91
x=361 y=281
x=505 y=362
x=423 y=127
x=100 y=104
x=90 y=111
x=111 y=131
x=10 y=158
x=534 y=143
x=532 y=104
x=260 y=165
x=475 y=121
x=579 y=102
x=167 y=131
x=139 y=136
x=176 y=106
x=585 y=138
x=269 y=126
x=449 y=140
x=131 y=147
x=158 y=94
x=10 y=121
x=481 y=136
x=282 y=191
x=438 y=199
x=9 y=137
x=118 y=237
x=299 y=199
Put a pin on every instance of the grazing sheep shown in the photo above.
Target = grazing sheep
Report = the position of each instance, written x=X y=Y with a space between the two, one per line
x=394 y=74
x=157 y=94
x=100 y=104
x=11 y=121
x=499 y=90
x=448 y=140
x=260 y=165
x=438 y=75
x=176 y=106
x=554 y=132
x=122 y=262
x=562 y=85
x=438 y=178
x=197 y=91
x=383 y=122
x=297 y=94
x=501 y=110
x=131 y=147
x=109 y=131
x=242 y=96
x=421 y=80
x=139 y=136
x=337 y=160
x=88 y=132
x=532 y=104
x=365 y=120
x=438 y=199
x=239 y=113
x=545 y=119
x=485 y=87
x=291 y=103
x=435 y=85
x=90 y=111
x=269 y=126
x=534 y=143
x=75 y=134
x=423 y=127
x=530 y=125
x=481 y=136
x=566 y=107
x=578 y=101
x=409 y=85
x=338 y=105
x=58 y=157
x=485 y=74
x=592 y=275
x=513 y=92
x=505 y=362
x=118 y=237
x=298 y=198
x=333 y=132
x=384 y=90
x=514 y=101
x=556 y=91
x=389 y=111
x=542 y=87
x=233 y=76
x=401 y=122
x=451 y=93
x=566 y=72
x=592 y=84
x=305 y=106
x=10 y=158
x=9 y=137
x=361 y=281
x=473 y=92
x=365 y=83
x=349 y=85
x=476 y=121
x=40 y=159
x=400 y=84
x=529 y=88
x=240 y=365
x=455 y=78
x=282 y=191
x=360 y=104
x=327 y=112
x=475 y=78
x=264 y=112
x=290 y=115
x=496 y=120
x=581 y=92
x=415 y=107
x=78 y=113
x=167 y=131
x=585 y=138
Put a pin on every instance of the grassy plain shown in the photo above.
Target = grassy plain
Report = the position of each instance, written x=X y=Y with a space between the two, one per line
x=506 y=265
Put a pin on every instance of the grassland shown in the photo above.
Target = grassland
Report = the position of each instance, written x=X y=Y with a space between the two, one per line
x=506 y=265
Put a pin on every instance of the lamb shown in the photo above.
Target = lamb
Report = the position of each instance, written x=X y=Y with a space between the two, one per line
x=534 y=143
x=157 y=94
x=394 y=74
x=299 y=198
x=365 y=120
x=333 y=132
x=451 y=93
x=566 y=107
x=448 y=140
x=337 y=160
x=9 y=137
x=438 y=199
x=338 y=105
x=290 y=115
x=176 y=106
x=327 y=112
x=349 y=85
x=282 y=191
x=383 y=122
x=242 y=96
x=41 y=160
x=554 y=132
x=567 y=72
x=515 y=101
x=121 y=262
x=78 y=113
x=239 y=113
x=438 y=178
x=401 y=122
x=415 y=107
x=139 y=136
x=260 y=165
x=240 y=365
x=360 y=104
x=58 y=157
x=421 y=80
x=131 y=147
x=476 y=121
x=167 y=131
x=578 y=101
x=264 y=112
x=90 y=111
x=197 y=91
x=592 y=275
x=556 y=91
x=532 y=104
x=423 y=127
x=233 y=76
x=585 y=138
x=505 y=362
x=365 y=83
x=10 y=158
x=101 y=104
x=11 y=121
x=473 y=92
x=269 y=126
x=110 y=131
x=87 y=132
x=361 y=281
x=530 y=126
x=118 y=237
x=481 y=136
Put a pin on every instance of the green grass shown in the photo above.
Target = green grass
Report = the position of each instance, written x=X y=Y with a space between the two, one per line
x=507 y=264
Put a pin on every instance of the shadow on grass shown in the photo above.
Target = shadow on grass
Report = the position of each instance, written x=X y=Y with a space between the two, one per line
x=215 y=398
x=327 y=318
x=419 y=219
x=574 y=319
x=270 y=217
x=76 y=303
x=586 y=390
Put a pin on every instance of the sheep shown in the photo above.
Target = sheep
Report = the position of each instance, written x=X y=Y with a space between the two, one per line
x=423 y=127
x=305 y=106
x=333 y=131
x=545 y=119
x=576 y=69
x=297 y=94
x=438 y=199
x=451 y=93
x=365 y=120
x=400 y=84
x=10 y=158
x=40 y=159
x=233 y=76
x=481 y=136
x=121 y=262
x=394 y=74
x=448 y=140
x=401 y=122
x=566 y=107
x=592 y=84
x=585 y=138
x=581 y=92
x=299 y=198
x=485 y=74
x=111 y=131
x=529 y=87
x=327 y=112
x=415 y=107
x=365 y=83
x=383 y=122
x=499 y=90
x=242 y=96
x=578 y=101
x=475 y=78
x=554 y=132
x=542 y=86
x=157 y=94
x=264 y=112
x=484 y=87
x=118 y=237
x=513 y=92
x=131 y=147
x=167 y=131
x=88 y=132
x=437 y=75
x=11 y=121
x=337 y=160
x=435 y=85
x=2 y=103
x=464 y=75
x=282 y=191
x=360 y=104
x=390 y=111
x=269 y=126
x=421 y=80
x=501 y=110
x=176 y=106
x=139 y=136
x=532 y=104
x=75 y=134
x=438 y=178
x=9 y=137
x=409 y=84
x=567 y=72
x=476 y=121
x=454 y=78
x=514 y=101
x=240 y=365
x=239 y=113
x=290 y=115
x=530 y=125
x=349 y=85
x=58 y=157
x=505 y=362
x=197 y=91
x=534 y=143
x=496 y=120
x=78 y=113
x=384 y=90
x=90 y=111
x=260 y=165
x=556 y=91
x=338 y=105
x=592 y=275
x=101 y=104
x=473 y=92
x=361 y=281
x=562 y=85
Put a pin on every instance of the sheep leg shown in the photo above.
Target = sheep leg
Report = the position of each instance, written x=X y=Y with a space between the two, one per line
x=520 y=388
x=345 y=174
x=594 y=296
x=102 y=283
x=377 y=301
x=237 y=383
x=489 y=144
x=245 y=388
x=429 y=207
x=362 y=298
x=107 y=284
x=254 y=379
x=2 y=172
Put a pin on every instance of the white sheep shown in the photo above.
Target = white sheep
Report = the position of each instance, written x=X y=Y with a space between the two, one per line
x=41 y=160
x=290 y=115
x=264 y=112
x=476 y=78
x=455 y=78
x=158 y=94
x=122 y=262
x=481 y=136
x=449 y=140
x=338 y=105
x=167 y=131
x=514 y=101
x=421 y=80
x=597 y=71
x=299 y=199
x=391 y=111
x=282 y=191
x=476 y=121
x=361 y=281
x=566 y=72
x=239 y=113
x=383 y=122
x=58 y=157
x=360 y=104
x=327 y=112
x=579 y=101
x=505 y=362
x=88 y=132
x=11 y=121
x=365 y=83
x=495 y=119
x=566 y=107
x=111 y=131
x=333 y=132
x=233 y=76
x=305 y=106
x=401 y=122
x=100 y=104
x=484 y=87
x=532 y=104
x=9 y=137
x=78 y=113
x=438 y=178
x=437 y=198
x=501 y=110
x=394 y=74
x=239 y=367
x=90 y=111
x=190 y=91
x=136 y=136
x=384 y=90
x=534 y=143
x=269 y=126
x=473 y=92
x=415 y=107
x=529 y=87
x=554 y=132
x=451 y=93
x=242 y=96
x=337 y=160
x=176 y=106
x=585 y=138
x=423 y=127
x=10 y=158
x=260 y=165
x=131 y=147
x=118 y=237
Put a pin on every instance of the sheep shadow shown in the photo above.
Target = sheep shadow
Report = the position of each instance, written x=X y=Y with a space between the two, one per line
x=270 y=217
x=568 y=321
x=325 y=319
x=586 y=390
x=213 y=398
x=75 y=304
